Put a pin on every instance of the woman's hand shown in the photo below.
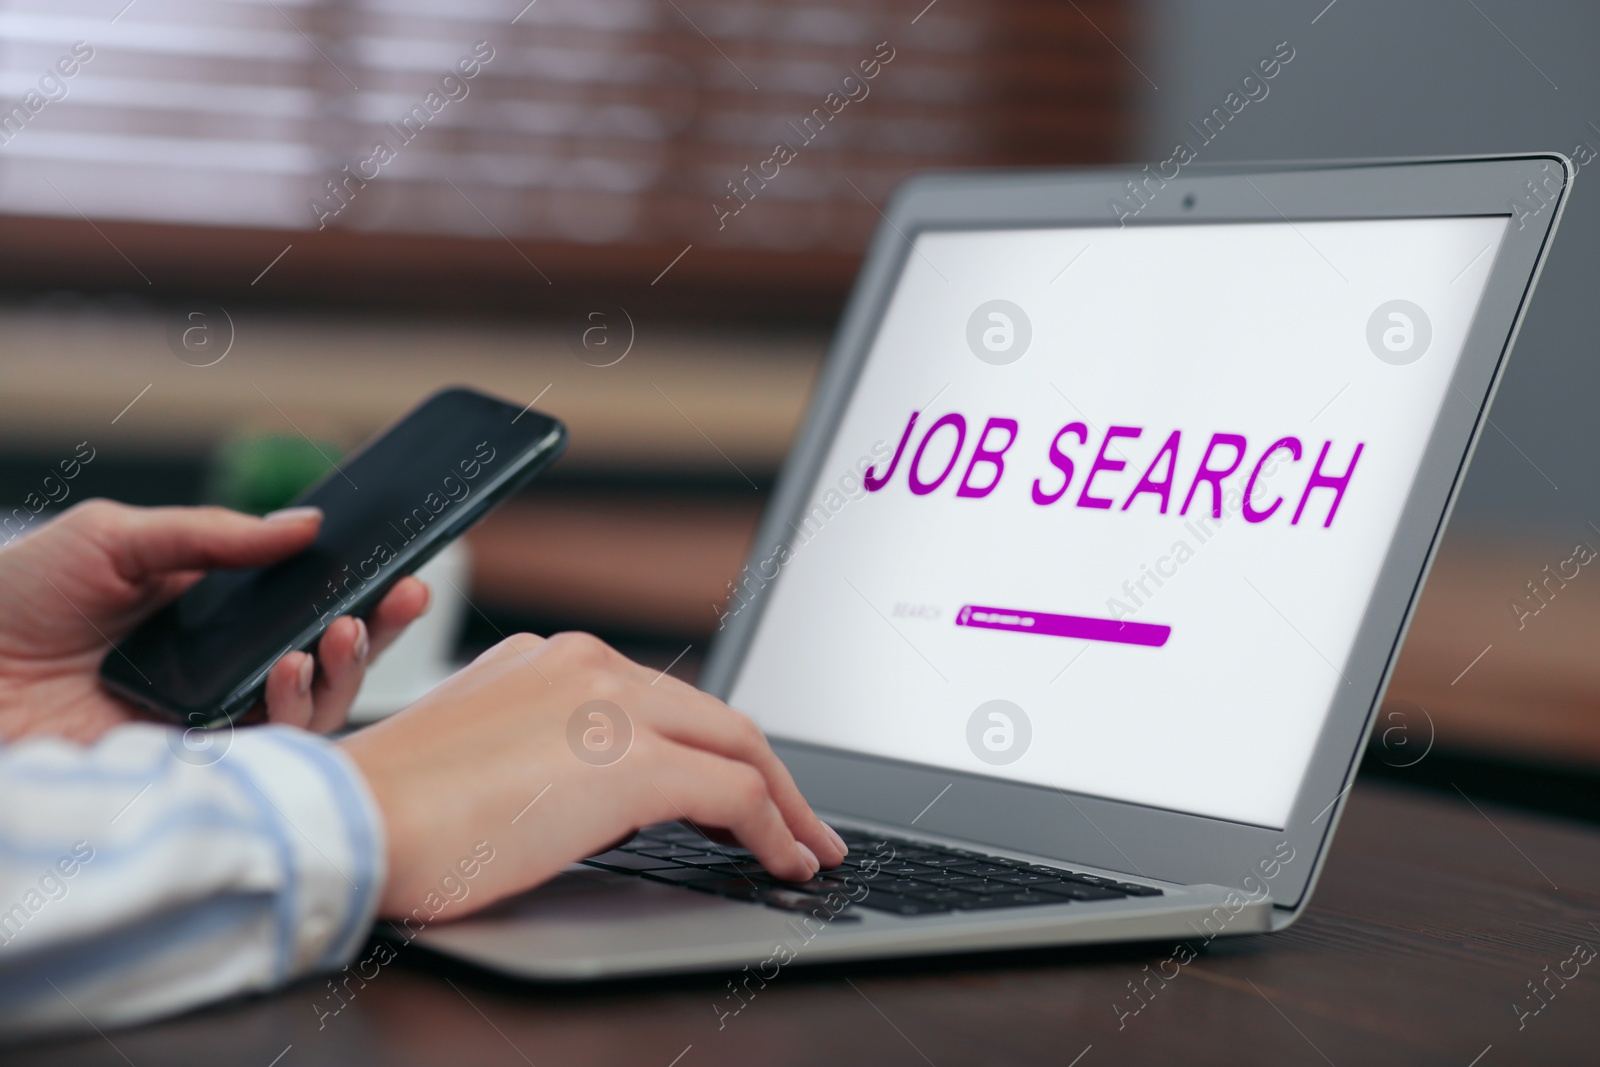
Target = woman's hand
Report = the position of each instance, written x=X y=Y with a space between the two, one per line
x=86 y=579
x=493 y=754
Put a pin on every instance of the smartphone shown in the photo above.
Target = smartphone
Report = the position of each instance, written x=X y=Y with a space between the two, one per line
x=387 y=509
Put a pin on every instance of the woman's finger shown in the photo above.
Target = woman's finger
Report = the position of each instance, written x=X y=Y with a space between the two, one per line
x=399 y=608
x=689 y=716
x=149 y=541
x=289 y=690
x=342 y=654
x=710 y=790
x=694 y=718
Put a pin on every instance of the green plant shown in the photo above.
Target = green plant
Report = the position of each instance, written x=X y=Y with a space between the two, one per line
x=258 y=473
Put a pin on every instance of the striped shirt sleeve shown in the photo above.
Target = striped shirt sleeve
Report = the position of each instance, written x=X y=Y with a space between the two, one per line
x=157 y=870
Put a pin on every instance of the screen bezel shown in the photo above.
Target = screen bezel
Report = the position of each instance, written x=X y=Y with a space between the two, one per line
x=1119 y=835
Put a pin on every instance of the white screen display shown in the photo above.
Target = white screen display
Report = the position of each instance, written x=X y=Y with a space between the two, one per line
x=1125 y=543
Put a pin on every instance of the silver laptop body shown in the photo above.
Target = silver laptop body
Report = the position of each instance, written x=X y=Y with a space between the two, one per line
x=982 y=612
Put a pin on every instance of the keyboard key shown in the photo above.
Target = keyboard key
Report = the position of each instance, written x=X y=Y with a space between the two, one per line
x=872 y=862
x=955 y=897
x=668 y=852
x=822 y=883
x=1075 y=891
x=739 y=867
x=951 y=879
x=1016 y=877
x=627 y=861
x=984 y=870
x=898 y=886
x=1002 y=861
x=1018 y=899
x=690 y=839
x=901 y=869
x=694 y=877
x=731 y=851
x=935 y=859
x=898 y=905
x=712 y=859
x=1139 y=890
x=1092 y=879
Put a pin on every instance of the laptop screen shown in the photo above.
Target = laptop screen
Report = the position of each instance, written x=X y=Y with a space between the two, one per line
x=1106 y=507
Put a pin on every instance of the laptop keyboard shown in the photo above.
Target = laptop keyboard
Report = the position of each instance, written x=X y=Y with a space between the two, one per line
x=881 y=873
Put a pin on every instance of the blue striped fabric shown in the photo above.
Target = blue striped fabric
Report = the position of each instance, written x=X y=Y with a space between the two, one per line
x=139 y=878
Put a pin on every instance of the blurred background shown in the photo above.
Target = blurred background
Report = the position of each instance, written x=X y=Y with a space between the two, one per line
x=240 y=236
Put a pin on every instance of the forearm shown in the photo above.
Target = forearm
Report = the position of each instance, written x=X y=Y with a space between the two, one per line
x=138 y=877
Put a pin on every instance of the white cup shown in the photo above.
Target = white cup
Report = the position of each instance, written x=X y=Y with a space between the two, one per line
x=424 y=655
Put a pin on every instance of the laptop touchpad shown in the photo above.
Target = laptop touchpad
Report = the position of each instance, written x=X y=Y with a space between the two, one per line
x=566 y=927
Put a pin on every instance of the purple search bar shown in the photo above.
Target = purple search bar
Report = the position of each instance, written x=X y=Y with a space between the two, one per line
x=1078 y=627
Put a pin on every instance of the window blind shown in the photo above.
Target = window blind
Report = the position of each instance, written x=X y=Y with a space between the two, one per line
x=734 y=123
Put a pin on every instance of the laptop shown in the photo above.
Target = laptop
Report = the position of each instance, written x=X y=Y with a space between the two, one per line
x=1075 y=602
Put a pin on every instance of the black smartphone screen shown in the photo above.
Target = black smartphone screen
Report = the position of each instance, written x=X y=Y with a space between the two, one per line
x=386 y=510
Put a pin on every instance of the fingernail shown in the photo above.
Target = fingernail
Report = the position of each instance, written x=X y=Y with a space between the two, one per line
x=300 y=514
x=362 y=646
x=843 y=848
x=810 y=857
x=302 y=682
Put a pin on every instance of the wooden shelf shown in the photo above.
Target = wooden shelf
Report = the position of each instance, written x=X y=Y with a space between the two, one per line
x=1489 y=685
x=610 y=562
x=683 y=401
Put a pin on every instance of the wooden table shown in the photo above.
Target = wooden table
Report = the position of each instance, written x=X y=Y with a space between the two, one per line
x=1428 y=924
